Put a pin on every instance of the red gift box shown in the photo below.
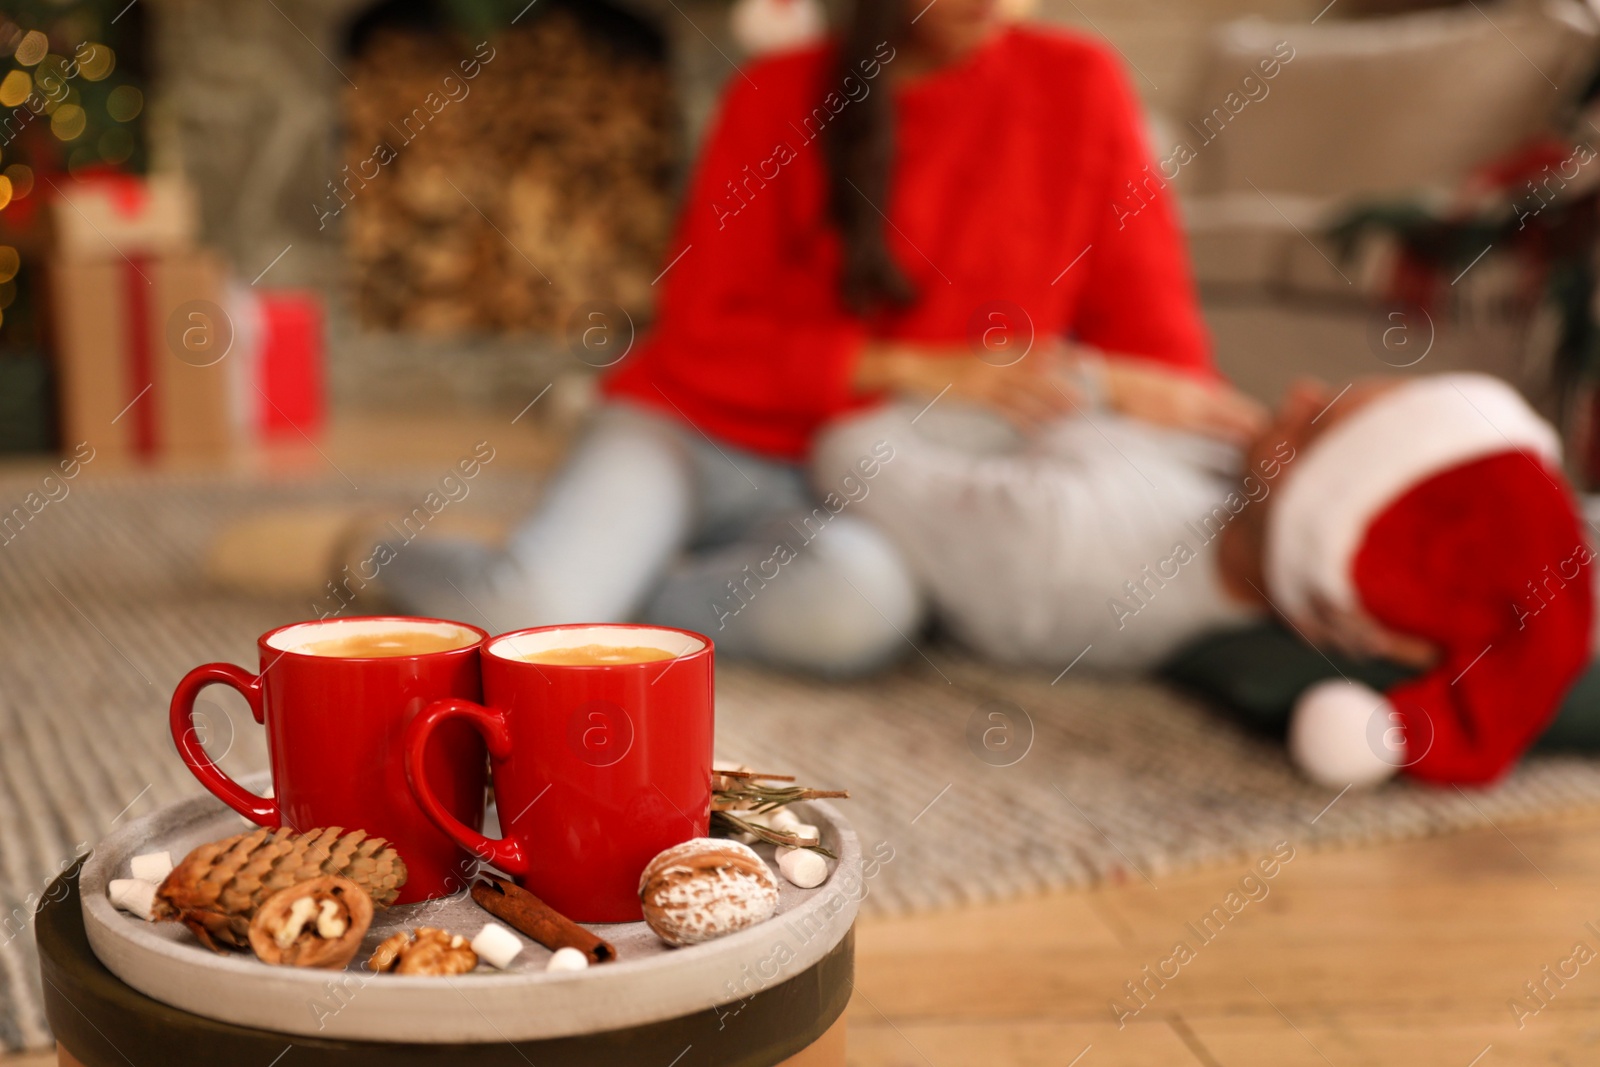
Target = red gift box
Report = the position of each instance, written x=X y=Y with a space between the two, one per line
x=278 y=376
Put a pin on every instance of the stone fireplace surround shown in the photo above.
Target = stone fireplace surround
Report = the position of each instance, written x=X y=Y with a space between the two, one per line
x=246 y=102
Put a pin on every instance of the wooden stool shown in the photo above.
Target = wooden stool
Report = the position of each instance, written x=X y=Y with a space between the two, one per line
x=99 y=1021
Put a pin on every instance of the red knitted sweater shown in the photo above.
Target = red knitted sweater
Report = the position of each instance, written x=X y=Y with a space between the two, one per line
x=1020 y=176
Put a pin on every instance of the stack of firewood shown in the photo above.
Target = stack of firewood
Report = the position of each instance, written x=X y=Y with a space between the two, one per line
x=539 y=185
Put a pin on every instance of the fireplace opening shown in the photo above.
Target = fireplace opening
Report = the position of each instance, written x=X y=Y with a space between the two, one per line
x=493 y=183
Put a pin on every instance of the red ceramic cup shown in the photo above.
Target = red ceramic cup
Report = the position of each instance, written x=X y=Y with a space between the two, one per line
x=597 y=768
x=335 y=725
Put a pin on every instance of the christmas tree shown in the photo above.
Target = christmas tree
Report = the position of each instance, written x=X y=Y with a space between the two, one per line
x=71 y=101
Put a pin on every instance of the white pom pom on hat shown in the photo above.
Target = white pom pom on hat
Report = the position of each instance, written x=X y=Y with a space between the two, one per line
x=773 y=25
x=1345 y=733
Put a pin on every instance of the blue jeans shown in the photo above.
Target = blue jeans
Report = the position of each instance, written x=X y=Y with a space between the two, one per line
x=650 y=520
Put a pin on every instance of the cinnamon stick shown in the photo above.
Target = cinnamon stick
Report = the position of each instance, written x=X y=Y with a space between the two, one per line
x=525 y=912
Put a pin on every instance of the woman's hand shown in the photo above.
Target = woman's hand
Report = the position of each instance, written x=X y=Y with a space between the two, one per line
x=1029 y=393
x=1361 y=637
x=1041 y=387
x=1148 y=391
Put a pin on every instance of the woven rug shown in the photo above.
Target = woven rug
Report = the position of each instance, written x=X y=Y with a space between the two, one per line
x=979 y=783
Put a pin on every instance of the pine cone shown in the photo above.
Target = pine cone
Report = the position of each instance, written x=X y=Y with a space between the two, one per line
x=217 y=888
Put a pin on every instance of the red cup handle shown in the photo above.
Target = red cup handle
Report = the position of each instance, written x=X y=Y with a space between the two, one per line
x=260 y=810
x=507 y=853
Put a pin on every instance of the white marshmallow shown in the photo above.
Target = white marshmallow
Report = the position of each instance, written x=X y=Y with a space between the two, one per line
x=152 y=866
x=804 y=868
x=755 y=818
x=134 y=896
x=497 y=945
x=783 y=850
x=784 y=819
x=808 y=834
x=567 y=959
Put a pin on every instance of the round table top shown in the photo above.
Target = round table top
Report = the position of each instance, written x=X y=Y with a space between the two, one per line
x=103 y=1022
x=649 y=982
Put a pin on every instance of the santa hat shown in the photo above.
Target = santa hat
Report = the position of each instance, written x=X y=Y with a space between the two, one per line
x=772 y=25
x=1439 y=511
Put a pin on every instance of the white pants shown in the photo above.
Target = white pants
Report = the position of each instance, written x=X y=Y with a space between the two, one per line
x=1100 y=531
x=650 y=520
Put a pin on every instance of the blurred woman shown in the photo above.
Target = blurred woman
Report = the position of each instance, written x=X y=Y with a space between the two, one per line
x=936 y=205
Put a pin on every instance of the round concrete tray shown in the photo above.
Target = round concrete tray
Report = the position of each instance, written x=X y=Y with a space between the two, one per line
x=649 y=982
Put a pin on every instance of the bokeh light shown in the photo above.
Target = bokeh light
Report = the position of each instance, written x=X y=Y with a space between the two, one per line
x=124 y=103
x=33 y=48
x=68 y=122
x=5 y=191
x=53 y=84
x=21 y=178
x=83 y=157
x=10 y=263
x=15 y=87
x=95 y=61
x=8 y=294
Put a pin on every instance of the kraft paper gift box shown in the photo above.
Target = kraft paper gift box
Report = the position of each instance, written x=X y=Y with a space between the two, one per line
x=140 y=337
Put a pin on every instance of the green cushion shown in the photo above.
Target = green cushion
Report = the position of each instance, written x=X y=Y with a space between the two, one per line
x=1254 y=676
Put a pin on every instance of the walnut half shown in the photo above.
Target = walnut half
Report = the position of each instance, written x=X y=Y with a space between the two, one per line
x=424 y=951
x=318 y=923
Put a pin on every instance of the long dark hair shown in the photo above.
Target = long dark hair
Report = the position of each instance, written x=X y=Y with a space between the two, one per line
x=858 y=146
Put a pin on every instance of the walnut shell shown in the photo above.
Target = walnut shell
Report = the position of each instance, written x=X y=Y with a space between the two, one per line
x=704 y=889
x=319 y=923
x=426 y=950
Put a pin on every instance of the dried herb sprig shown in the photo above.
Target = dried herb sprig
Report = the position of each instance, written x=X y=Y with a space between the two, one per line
x=766 y=798
x=742 y=791
x=730 y=823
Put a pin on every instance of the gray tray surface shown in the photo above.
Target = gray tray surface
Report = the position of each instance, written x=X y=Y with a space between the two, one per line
x=650 y=980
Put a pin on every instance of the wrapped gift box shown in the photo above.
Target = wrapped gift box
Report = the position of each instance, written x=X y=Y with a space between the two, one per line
x=277 y=363
x=139 y=333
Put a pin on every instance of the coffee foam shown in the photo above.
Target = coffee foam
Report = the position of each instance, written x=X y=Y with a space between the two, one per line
x=300 y=637
x=517 y=646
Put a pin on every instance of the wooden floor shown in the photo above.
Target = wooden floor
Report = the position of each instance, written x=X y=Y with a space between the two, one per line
x=1407 y=954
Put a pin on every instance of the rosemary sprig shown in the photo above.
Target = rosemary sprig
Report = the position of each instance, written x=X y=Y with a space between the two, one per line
x=729 y=822
x=743 y=791
x=768 y=798
x=754 y=775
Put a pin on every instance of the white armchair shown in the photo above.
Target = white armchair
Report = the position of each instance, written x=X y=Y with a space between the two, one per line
x=1364 y=109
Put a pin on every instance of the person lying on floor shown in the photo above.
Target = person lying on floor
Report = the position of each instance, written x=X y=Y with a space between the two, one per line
x=1424 y=520
x=857 y=211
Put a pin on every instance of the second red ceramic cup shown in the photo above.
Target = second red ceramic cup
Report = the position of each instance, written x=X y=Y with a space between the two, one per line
x=597 y=766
